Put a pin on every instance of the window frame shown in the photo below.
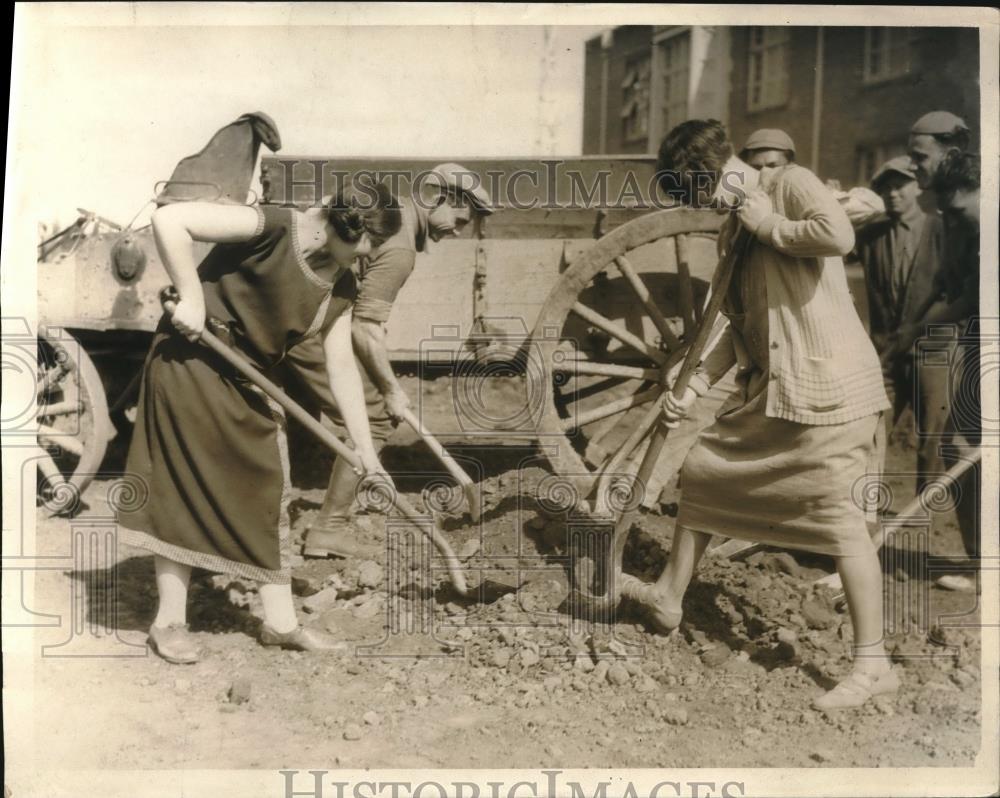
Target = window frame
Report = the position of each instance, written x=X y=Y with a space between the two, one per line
x=669 y=39
x=894 y=71
x=630 y=96
x=759 y=52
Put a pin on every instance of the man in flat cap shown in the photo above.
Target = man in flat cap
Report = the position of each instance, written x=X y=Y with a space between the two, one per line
x=937 y=147
x=443 y=204
x=901 y=256
x=932 y=137
x=768 y=147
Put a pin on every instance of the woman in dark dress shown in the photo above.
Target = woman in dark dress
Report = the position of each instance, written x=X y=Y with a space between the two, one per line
x=209 y=445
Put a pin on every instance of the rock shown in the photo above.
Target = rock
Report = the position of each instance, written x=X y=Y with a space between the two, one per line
x=371 y=718
x=781 y=563
x=320 y=602
x=601 y=670
x=585 y=664
x=617 y=675
x=370 y=574
x=469 y=549
x=304 y=587
x=941 y=636
x=500 y=658
x=786 y=635
x=420 y=701
x=529 y=657
x=675 y=716
x=508 y=635
x=884 y=705
x=632 y=667
x=369 y=609
x=785 y=651
x=352 y=731
x=239 y=691
x=963 y=679
x=817 y=615
x=715 y=656
x=820 y=755
x=646 y=684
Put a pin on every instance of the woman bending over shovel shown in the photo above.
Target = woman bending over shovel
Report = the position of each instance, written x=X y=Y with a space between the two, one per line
x=779 y=463
x=209 y=444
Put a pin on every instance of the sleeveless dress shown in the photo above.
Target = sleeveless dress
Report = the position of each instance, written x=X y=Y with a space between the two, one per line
x=769 y=480
x=209 y=448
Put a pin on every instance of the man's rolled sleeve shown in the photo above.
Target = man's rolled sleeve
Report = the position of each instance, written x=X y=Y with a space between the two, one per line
x=381 y=281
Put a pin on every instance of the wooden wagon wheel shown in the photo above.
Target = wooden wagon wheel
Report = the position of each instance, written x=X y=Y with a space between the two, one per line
x=618 y=319
x=74 y=427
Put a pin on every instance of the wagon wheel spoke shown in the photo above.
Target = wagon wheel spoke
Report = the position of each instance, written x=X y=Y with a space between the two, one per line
x=50 y=379
x=618 y=332
x=685 y=291
x=54 y=437
x=60 y=409
x=597 y=369
x=641 y=291
x=50 y=471
x=611 y=408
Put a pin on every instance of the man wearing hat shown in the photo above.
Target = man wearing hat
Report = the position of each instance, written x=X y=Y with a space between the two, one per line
x=938 y=147
x=444 y=202
x=768 y=147
x=932 y=137
x=901 y=256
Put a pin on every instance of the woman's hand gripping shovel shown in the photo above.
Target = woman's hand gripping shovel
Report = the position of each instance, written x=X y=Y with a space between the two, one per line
x=426 y=524
x=612 y=581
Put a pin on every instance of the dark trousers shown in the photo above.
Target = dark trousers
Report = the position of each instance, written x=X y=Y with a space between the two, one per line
x=305 y=367
x=926 y=391
x=962 y=435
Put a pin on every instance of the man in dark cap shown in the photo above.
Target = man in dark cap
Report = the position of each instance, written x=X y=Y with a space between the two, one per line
x=450 y=198
x=932 y=137
x=901 y=256
x=957 y=185
x=768 y=147
x=938 y=144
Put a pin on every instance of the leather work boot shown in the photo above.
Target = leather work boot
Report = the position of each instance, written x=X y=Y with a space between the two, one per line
x=335 y=536
x=301 y=639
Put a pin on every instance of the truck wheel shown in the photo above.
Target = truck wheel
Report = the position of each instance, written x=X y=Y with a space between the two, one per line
x=73 y=423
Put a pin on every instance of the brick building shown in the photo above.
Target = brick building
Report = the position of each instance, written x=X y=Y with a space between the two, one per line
x=846 y=95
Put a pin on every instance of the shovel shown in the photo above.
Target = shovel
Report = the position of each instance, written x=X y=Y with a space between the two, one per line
x=426 y=525
x=468 y=486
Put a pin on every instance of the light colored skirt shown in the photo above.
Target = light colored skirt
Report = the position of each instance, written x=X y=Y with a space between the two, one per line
x=767 y=480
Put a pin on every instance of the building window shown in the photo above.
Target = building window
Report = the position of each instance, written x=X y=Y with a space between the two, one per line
x=675 y=62
x=887 y=53
x=635 y=98
x=768 y=68
x=871 y=157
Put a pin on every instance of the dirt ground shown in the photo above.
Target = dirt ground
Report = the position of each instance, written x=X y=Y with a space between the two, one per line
x=504 y=678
